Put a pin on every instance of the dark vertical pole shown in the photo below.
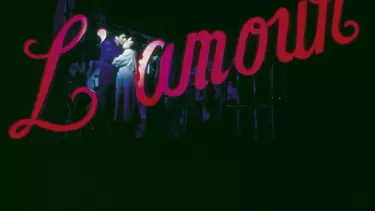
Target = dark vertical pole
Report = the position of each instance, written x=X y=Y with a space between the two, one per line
x=238 y=102
x=59 y=22
x=59 y=16
x=285 y=107
x=70 y=7
x=64 y=11
x=67 y=14
x=272 y=102
x=255 y=118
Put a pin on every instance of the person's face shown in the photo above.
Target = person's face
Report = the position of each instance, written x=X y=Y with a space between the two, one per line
x=128 y=43
x=121 y=39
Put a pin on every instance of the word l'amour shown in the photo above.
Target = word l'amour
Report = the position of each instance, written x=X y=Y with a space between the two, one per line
x=255 y=26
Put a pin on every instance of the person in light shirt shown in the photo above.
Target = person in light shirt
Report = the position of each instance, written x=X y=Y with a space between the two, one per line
x=125 y=100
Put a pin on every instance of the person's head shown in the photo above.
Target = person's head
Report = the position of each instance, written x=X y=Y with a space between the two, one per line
x=130 y=43
x=120 y=37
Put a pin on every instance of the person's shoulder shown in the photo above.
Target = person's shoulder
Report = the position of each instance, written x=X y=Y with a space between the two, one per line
x=107 y=42
x=129 y=51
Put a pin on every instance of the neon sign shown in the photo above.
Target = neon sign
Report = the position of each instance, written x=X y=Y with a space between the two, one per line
x=255 y=26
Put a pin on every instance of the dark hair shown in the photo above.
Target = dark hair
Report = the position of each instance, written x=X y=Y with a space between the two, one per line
x=136 y=44
x=115 y=33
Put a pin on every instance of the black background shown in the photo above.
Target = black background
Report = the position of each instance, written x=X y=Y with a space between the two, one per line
x=324 y=165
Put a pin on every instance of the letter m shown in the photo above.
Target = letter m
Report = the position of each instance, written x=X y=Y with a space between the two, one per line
x=205 y=40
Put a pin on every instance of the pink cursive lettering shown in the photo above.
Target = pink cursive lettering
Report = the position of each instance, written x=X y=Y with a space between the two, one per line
x=22 y=127
x=254 y=26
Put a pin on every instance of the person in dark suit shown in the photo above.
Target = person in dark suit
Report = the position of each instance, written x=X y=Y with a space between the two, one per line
x=110 y=49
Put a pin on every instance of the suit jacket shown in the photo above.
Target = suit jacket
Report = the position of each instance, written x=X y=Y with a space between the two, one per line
x=109 y=51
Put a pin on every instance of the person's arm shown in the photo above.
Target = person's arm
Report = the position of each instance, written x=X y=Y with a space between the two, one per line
x=120 y=61
x=126 y=58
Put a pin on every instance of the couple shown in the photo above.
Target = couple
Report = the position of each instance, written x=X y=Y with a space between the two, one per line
x=116 y=95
